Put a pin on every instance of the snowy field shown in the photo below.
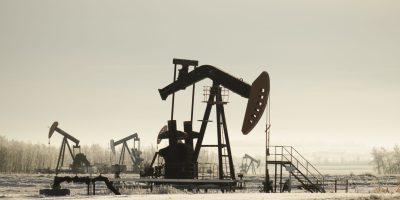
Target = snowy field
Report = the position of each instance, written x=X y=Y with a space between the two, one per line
x=346 y=169
x=21 y=186
x=238 y=196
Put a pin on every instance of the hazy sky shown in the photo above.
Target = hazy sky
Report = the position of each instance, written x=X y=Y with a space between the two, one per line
x=95 y=66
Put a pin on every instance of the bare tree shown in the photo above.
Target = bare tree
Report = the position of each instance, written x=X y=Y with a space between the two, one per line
x=378 y=159
x=386 y=162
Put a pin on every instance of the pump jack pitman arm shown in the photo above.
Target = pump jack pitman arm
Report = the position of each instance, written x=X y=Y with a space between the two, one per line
x=257 y=93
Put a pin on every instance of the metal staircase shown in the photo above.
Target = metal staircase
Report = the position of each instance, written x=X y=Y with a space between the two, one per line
x=308 y=177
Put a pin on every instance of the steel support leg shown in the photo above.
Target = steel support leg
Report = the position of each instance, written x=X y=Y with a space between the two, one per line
x=228 y=145
x=203 y=127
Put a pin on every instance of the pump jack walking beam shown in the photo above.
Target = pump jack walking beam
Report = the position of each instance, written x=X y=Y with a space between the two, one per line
x=125 y=146
x=257 y=93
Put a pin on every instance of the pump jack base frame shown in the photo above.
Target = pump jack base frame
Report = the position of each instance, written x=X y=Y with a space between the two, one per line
x=190 y=184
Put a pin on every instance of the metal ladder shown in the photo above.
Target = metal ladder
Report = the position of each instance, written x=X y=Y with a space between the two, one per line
x=225 y=158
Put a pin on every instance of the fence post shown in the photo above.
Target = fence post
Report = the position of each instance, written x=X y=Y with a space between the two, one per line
x=335 y=185
x=347 y=185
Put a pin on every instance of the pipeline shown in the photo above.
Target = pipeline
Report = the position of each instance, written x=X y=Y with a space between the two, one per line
x=57 y=191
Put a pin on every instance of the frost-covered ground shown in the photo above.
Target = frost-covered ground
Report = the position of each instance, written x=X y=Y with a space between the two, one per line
x=22 y=186
x=243 y=196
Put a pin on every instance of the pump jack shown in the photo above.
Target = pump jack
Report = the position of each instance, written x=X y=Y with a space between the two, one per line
x=181 y=158
x=134 y=153
x=79 y=160
x=246 y=165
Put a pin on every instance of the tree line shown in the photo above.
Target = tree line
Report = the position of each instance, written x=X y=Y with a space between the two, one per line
x=386 y=161
x=25 y=157
x=21 y=157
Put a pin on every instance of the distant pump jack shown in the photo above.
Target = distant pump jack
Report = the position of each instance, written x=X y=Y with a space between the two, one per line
x=248 y=163
x=79 y=160
x=134 y=153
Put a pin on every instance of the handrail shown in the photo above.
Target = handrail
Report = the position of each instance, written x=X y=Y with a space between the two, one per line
x=310 y=174
x=307 y=161
x=284 y=147
x=306 y=168
x=313 y=167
